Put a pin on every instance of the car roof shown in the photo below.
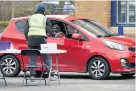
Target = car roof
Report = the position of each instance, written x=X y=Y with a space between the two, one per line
x=60 y=17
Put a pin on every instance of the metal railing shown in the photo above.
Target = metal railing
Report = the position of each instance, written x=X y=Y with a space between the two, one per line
x=61 y=11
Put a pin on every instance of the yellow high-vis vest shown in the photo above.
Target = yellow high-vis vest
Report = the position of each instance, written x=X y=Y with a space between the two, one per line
x=37 y=25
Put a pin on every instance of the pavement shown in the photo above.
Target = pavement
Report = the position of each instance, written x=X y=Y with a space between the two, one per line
x=73 y=82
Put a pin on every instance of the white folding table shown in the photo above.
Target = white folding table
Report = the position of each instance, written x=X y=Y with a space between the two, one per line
x=58 y=51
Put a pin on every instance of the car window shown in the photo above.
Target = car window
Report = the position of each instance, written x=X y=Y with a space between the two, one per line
x=57 y=29
x=72 y=30
x=94 y=28
x=20 y=25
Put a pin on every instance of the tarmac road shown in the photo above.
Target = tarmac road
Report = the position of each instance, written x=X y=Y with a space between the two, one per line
x=73 y=82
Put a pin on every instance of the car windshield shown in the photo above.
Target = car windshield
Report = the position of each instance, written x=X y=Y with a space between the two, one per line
x=94 y=28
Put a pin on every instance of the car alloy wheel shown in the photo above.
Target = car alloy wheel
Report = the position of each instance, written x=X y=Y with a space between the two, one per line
x=98 y=68
x=10 y=66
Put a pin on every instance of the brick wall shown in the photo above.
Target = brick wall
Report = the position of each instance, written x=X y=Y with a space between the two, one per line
x=127 y=31
x=95 y=10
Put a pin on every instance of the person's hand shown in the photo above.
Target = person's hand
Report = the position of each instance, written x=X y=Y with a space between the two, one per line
x=60 y=35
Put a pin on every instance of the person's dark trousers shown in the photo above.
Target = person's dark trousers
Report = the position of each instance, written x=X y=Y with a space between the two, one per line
x=32 y=61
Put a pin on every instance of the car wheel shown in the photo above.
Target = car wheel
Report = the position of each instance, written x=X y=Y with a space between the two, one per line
x=10 y=67
x=98 y=68
x=128 y=75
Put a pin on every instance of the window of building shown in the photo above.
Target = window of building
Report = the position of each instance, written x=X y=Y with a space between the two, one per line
x=126 y=12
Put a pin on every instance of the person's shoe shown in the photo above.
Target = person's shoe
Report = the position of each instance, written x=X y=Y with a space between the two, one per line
x=53 y=77
x=32 y=78
x=52 y=74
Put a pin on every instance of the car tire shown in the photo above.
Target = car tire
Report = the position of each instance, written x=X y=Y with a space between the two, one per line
x=128 y=75
x=11 y=66
x=98 y=68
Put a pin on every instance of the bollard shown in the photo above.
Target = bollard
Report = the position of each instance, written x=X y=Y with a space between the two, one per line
x=120 y=30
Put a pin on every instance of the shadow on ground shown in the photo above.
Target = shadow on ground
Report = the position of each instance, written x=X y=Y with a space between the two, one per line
x=79 y=76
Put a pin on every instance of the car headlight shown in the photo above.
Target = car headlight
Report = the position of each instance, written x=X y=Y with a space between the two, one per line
x=114 y=45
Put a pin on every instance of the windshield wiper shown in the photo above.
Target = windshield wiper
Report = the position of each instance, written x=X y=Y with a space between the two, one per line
x=116 y=35
x=99 y=36
x=109 y=35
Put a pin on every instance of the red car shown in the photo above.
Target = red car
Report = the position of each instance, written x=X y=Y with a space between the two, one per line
x=90 y=47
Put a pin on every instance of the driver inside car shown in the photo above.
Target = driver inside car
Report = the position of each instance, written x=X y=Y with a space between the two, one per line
x=57 y=31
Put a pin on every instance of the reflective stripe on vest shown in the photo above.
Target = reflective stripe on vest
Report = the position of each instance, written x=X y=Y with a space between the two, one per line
x=37 y=25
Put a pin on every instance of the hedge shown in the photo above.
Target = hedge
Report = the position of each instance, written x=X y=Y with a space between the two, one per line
x=4 y=23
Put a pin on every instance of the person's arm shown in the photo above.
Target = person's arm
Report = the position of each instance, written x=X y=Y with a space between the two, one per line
x=49 y=27
x=26 y=29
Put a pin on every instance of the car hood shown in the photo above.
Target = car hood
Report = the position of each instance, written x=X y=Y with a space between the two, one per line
x=121 y=39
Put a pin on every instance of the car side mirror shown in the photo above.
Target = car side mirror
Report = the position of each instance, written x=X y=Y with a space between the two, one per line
x=76 y=36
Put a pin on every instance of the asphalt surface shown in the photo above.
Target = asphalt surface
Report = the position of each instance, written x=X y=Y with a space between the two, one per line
x=73 y=82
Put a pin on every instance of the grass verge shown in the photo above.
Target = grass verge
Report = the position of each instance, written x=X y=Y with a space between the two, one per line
x=3 y=25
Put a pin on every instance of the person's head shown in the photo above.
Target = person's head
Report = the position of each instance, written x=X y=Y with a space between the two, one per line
x=40 y=9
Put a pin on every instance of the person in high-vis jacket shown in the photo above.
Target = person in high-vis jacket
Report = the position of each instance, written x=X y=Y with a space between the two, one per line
x=35 y=34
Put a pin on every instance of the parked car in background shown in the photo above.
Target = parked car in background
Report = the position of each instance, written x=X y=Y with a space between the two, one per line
x=90 y=47
x=51 y=5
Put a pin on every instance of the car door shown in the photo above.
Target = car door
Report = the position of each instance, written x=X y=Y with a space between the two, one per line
x=75 y=58
x=77 y=53
x=53 y=28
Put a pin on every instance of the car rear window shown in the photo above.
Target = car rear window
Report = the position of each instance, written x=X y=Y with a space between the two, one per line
x=20 y=25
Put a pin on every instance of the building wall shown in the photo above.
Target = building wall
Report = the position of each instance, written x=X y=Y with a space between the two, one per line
x=100 y=11
x=95 y=10
x=128 y=31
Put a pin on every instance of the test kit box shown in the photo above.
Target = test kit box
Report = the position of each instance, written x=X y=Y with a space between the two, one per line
x=49 y=46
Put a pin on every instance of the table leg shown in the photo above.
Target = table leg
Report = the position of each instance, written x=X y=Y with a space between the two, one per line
x=1 y=74
x=57 y=70
x=57 y=67
x=50 y=71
